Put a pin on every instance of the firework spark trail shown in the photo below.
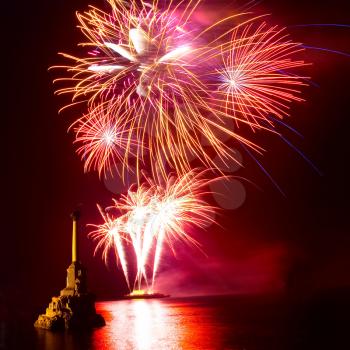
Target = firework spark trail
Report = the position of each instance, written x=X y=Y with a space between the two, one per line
x=171 y=84
x=254 y=79
x=151 y=217
x=103 y=140
x=110 y=235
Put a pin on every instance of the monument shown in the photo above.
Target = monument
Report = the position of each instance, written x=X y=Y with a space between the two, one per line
x=75 y=307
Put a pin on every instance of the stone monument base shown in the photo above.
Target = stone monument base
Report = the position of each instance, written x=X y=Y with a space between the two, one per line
x=70 y=312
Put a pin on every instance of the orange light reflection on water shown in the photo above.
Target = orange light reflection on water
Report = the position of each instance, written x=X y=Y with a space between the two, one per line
x=155 y=324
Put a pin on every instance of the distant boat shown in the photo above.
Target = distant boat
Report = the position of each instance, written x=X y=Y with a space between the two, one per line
x=141 y=294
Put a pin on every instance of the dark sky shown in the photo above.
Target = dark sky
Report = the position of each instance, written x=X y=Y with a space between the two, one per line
x=298 y=242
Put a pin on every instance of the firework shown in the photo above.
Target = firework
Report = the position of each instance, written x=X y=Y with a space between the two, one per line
x=103 y=141
x=152 y=216
x=255 y=78
x=100 y=142
x=110 y=235
x=171 y=83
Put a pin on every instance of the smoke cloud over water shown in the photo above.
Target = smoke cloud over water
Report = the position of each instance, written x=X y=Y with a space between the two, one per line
x=261 y=270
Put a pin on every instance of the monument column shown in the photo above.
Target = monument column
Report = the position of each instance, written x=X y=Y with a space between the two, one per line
x=75 y=306
x=75 y=216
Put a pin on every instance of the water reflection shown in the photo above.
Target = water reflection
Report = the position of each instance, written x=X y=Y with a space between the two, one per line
x=161 y=324
x=156 y=324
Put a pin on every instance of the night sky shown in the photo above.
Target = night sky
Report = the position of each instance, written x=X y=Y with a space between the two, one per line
x=297 y=243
